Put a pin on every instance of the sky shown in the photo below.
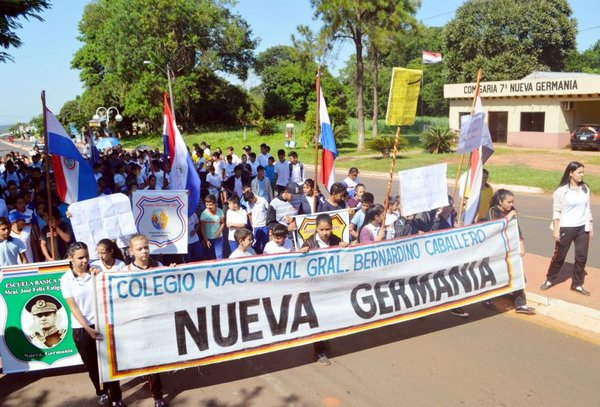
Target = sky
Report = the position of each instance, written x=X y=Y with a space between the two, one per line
x=43 y=61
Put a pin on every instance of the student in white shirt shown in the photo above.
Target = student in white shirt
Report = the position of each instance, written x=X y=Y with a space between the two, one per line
x=282 y=172
x=244 y=240
x=279 y=243
x=296 y=173
x=77 y=289
x=213 y=181
x=236 y=218
x=110 y=257
x=259 y=208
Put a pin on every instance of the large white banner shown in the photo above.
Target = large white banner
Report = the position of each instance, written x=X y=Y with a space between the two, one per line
x=209 y=312
x=162 y=217
x=422 y=189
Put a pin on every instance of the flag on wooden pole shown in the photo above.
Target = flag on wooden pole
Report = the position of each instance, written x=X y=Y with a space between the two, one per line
x=327 y=140
x=403 y=97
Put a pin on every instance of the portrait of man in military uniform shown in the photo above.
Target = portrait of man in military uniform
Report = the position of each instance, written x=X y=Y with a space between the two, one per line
x=45 y=330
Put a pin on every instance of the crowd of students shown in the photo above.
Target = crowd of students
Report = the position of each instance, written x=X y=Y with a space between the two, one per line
x=247 y=208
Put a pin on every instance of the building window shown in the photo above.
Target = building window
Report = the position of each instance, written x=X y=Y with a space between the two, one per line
x=533 y=121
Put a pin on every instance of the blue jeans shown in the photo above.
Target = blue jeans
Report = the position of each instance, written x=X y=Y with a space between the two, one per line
x=232 y=246
x=261 y=238
x=216 y=249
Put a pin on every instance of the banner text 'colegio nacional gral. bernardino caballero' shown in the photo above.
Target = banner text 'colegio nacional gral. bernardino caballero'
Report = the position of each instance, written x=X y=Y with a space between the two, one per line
x=209 y=312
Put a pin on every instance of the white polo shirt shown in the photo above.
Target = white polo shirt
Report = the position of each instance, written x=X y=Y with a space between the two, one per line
x=82 y=291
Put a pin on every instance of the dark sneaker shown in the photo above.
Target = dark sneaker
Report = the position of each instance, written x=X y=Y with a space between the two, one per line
x=103 y=400
x=459 y=312
x=545 y=285
x=579 y=289
x=160 y=403
x=118 y=403
x=489 y=305
x=322 y=359
x=524 y=309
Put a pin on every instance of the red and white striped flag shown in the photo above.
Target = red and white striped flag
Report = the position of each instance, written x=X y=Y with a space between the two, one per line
x=431 y=57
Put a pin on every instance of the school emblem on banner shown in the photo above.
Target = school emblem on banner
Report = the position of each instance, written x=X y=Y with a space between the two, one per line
x=34 y=319
x=340 y=221
x=162 y=217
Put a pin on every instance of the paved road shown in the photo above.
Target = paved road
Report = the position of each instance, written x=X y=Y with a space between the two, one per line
x=491 y=359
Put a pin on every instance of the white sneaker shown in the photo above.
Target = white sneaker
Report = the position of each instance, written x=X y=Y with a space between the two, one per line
x=459 y=312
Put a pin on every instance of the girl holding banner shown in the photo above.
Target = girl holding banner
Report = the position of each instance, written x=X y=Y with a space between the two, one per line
x=502 y=207
x=140 y=250
x=77 y=289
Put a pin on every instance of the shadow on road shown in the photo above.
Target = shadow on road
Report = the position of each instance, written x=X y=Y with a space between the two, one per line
x=178 y=382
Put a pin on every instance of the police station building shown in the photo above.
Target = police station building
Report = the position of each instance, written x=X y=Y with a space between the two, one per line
x=539 y=110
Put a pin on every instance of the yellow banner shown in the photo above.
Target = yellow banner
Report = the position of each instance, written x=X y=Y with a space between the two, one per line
x=403 y=98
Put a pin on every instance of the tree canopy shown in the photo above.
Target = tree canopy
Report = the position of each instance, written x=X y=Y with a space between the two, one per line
x=508 y=39
x=10 y=12
x=587 y=61
x=196 y=40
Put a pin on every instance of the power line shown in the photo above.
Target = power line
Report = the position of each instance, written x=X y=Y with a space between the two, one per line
x=590 y=28
x=438 y=15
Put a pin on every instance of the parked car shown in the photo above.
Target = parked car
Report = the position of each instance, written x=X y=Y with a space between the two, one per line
x=586 y=136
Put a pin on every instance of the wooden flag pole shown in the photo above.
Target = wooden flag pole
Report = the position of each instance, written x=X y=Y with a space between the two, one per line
x=392 y=165
x=462 y=157
x=388 y=191
x=48 y=186
x=317 y=132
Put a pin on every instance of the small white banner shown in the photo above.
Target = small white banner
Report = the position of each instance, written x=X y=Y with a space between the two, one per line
x=423 y=189
x=105 y=217
x=209 y=312
x=162 y=217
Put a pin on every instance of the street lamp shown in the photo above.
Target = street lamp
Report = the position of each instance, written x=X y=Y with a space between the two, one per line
x=168 y=72
x=106 y=112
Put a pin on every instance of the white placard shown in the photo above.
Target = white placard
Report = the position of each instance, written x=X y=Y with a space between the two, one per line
x=105 y=217
x=162 y=217
x=423 y=189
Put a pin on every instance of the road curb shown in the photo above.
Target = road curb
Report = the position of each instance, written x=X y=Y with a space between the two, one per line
x=573 y=314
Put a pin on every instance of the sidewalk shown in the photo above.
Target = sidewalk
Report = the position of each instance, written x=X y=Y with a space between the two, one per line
x=560 y=302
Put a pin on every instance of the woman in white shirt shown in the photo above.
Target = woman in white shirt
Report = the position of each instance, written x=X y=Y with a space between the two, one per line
x=571 y=222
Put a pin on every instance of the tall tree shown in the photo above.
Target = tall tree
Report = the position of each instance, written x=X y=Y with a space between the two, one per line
x=10 y=12
x=193 y=39
x=354 y=20
x=508 y=39
x=288 y=76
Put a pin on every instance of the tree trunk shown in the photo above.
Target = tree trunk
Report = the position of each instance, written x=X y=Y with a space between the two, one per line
x=375 y=125
x=360 y=113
